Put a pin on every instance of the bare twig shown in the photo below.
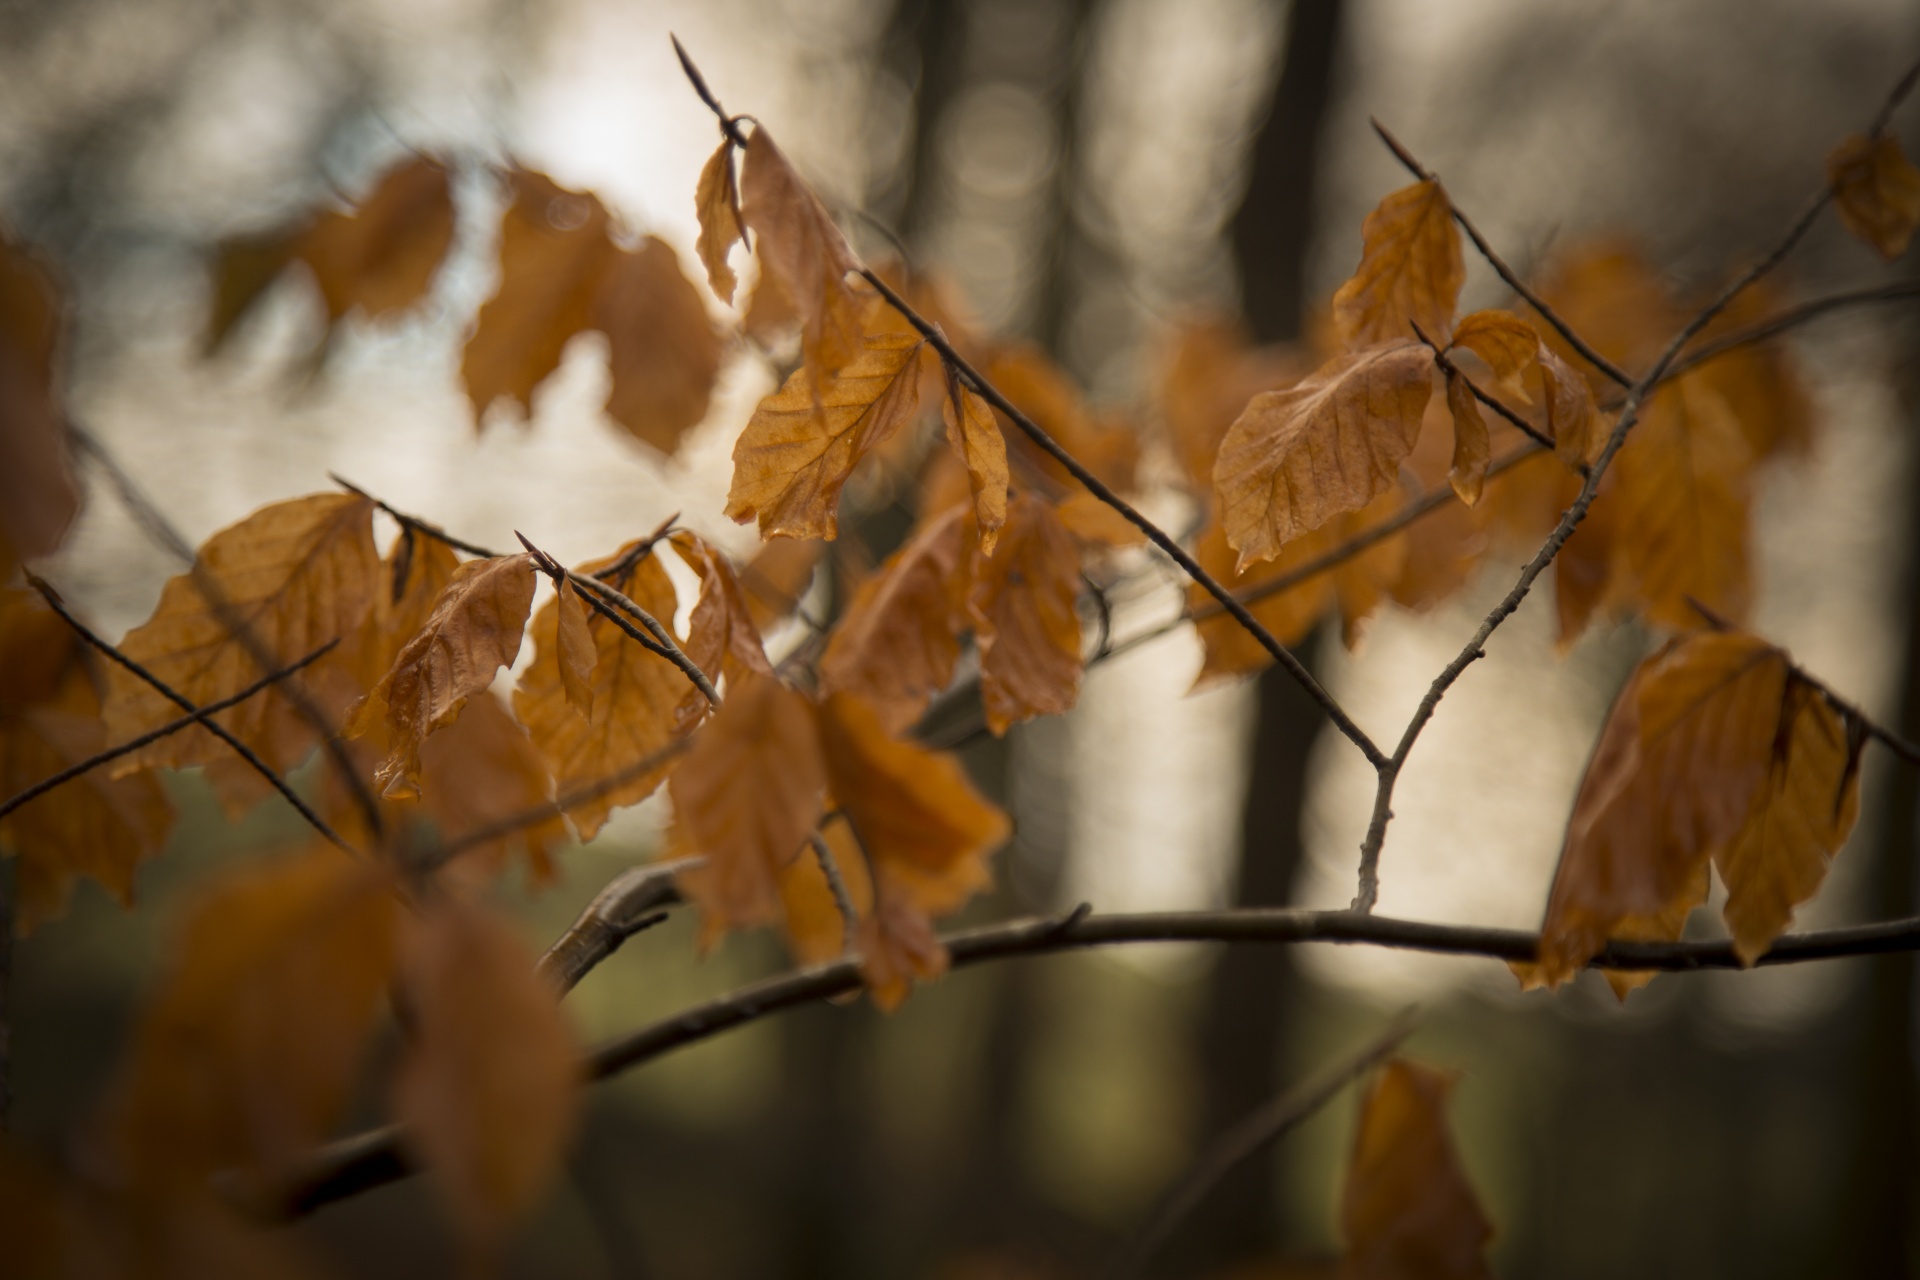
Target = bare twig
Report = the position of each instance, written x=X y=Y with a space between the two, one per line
x=837 y=885
x=630 y=903
x=1261 y=1128
x=1452 y=370
x=198 y=714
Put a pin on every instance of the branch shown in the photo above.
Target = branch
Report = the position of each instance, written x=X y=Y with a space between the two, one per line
x=198 y=716
x=1791 y=318
x=630 y=903
x=194 y=713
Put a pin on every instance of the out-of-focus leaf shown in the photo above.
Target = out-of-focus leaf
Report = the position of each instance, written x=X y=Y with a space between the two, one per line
x=801 y=249
x=1026 y=623
x=1877 y=191
x=1407 y=1210
x=662 y=350
x=38 y=494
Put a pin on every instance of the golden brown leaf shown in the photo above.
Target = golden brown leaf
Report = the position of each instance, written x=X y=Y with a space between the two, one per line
x=1760 y=381
x=797 y=450
x=573 y=649
x=1577 y=429
x=38 y=493
x=1026 y=622
x=1209 y=373
x=777 y=578
x=1407 y=1210
x=297 y=574
x=1507 y=344
x=1443 y=547
x=1471 y=449
x=1686 y=749
x=1512 y=348
x=1410 y=270
x=1096 y=523
x=810 y=915
x=641 y=701
x=474 y=630
x=977 y=442
x=248 y=1055
x=717 y=201
x=1877 y=191
x=1588 y=575
x=801 y=249
x=481 y=770
x=663 y=351
x=487 y=1093
x=897 y=642
x=381 y=258
x=1297 y=458
x=746 y=796
x=1802 y=816
x=554 y=252
x=1041 y=390
x=417 y=569
x=1606 y=291
x=721 y=634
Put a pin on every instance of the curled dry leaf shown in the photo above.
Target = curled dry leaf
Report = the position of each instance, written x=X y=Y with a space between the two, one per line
x=487 y=1092
x=1512 y=349
x=573 y=649
x=1407 y=1210
x=1040 y=389
x=1877 y=191
x=804 y=252
x=642 y=703
x=977 y=442
x=1297 y=458
x=1026 y=622
x=717 y=201
x=1472 y=450
x=1410 y=270
x=721 y=634
x=1508 y=345
x=663 y=352
x=38 y=494
x=799 y=447
x=746 y=796
x=474 y=630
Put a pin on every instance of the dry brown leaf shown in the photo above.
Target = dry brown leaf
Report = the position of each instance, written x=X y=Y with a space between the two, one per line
x=417 y=569
x=1608 y=294
x=1471 y=449
x=801 y=249
x=1333 y=443
x=717 y=200
x=482 y=770
x=1589 y=577
x=474 y=630
x=641 y=701
x=554 y=253
x=1802 y=816
x=663 y=351
x=487 y=1092
x=721 y=633
x=573 y=649
x=1686 y=749
x=1042 y=390
x=38 y=494
x=747 y=795
x=897 y=642
x=1407 y=1210
x=1410 y=270
x=798 y=449
x=810 y=915
x=1443 y=547
x=1877 y=191
x=977 y=442
x=777 y=578
x=1209 y=373
x=299 y=574
x=1026 y=621
x=1575 y=424
x=1096 y=523
x=1508 y=345
x=248 y=1055
x=1760 y=381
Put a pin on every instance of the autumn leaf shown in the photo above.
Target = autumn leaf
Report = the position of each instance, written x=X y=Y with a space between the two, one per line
x=1607 y=292
x=1096 y=523
x=1410 y=270
x=573 y=649
x=977 y=442
x=721 y=633
x=1877 y=192
x=1471 y=448
x=897 y=642
x=38 y=494
x=474 y=630
x=797 y=450
x=777 y=578
x=1513 y=350
x=747 y=795
x=1407 y=1210
x=717 y=200
x=1759 y=381
x=641 y=701
x=1042 y=390
x=1209 y=373
x=1688 y=746
x=487 y=1092
x=249 y=1053
x=479 y=772
x=1507 y=344
x=554 y=254
x=804 y=252
x=415 y=572
x=1297 y=458
x=662 y=350
x=1026 y=621
x=810 y=915
x=295 y=575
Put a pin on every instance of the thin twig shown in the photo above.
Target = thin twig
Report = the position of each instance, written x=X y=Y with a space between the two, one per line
x=1452 y=370
x=1791 y=318
x=172 y=695
x=629 y=903
x=198 y=716
x=1261 y=1128
x=837 y=885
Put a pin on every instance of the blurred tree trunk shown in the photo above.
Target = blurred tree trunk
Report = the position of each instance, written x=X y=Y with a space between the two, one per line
x=1254 y=989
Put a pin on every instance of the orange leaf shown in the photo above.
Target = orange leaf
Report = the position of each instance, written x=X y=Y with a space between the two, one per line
x=1686 y=750
x=415 y=572
x=747 y=796
x=777 y=578
x=721 y=634
x=1509 y=346
x=804 y=252
x=1041 y=390
x=641 y=701
x=1471 y=449
x=1210 y=373
x=554 y=252
x=1095 y=523
x=798 y=449
x=382 y=257
x=481 y=770
x=1410 y=270
x=1877 y=192
x=1026 y=622
x=1297 y=458
x=38 y=493
x=977 y=442
x=488 y=1090
x=573 y=649
x=662 y=350
x=897 y=642
x=1407 y=1210
x=1759 y=380
x=717 y=201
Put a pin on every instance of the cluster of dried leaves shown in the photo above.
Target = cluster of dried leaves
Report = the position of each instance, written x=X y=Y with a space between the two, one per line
x=799 y=786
